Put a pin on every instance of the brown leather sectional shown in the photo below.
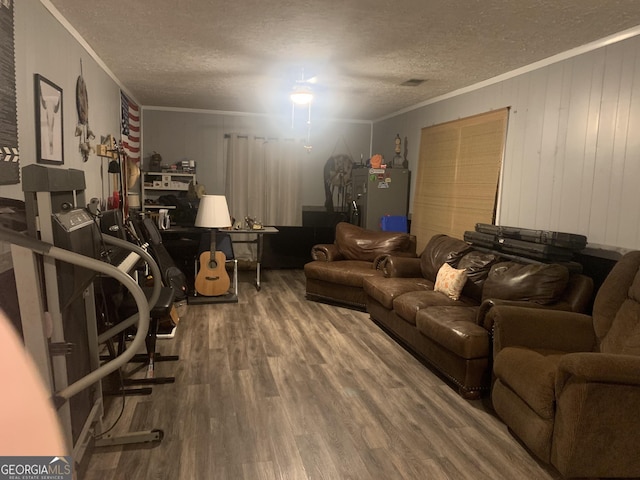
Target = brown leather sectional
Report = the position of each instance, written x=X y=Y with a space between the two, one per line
x=380 y=272
x=454 y=336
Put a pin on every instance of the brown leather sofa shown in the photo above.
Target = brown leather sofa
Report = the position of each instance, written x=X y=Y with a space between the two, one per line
x=336 y=273
x=568 y=385
x=455 y=335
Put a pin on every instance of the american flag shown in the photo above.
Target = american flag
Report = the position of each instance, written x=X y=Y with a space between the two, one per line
x=130 y=127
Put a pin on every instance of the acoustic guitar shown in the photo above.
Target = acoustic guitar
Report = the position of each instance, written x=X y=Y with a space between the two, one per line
x=212 y=279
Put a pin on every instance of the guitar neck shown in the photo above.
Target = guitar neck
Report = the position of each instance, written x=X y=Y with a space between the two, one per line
x=213 y=262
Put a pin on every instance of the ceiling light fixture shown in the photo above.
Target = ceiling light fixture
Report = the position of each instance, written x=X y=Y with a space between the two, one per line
x=301 y=95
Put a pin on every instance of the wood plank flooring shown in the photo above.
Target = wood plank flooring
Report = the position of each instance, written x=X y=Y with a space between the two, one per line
x=278 y=387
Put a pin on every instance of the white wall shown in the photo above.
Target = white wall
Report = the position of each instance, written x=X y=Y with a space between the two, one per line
x=199 y=135
x=572 y=159
x=44 y=46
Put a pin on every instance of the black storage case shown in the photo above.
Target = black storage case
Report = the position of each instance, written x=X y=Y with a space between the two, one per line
x=481 y=239
x=571 y=241
x=538 y=251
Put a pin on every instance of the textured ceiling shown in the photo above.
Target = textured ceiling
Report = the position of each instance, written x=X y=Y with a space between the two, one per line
x=245 y=55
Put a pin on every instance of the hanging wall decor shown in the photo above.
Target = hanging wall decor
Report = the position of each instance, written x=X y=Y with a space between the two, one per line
x=130 y=127
x=9 y=155
x=82 y=129
x=49 y=118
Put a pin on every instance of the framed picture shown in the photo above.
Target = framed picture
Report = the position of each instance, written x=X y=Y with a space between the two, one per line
x=49 y=133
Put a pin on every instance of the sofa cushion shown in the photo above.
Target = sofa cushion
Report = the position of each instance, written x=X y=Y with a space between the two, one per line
x=344 y=272
x=356 y=243
x=407 y=306
x=537 y=387
x=450 y=281
x=440 y=249
x=385 y=290
x=455 y=329
x=477 y=264
x=538 y=283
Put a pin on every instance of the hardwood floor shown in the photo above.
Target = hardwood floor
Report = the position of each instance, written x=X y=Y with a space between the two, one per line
x=278 y=387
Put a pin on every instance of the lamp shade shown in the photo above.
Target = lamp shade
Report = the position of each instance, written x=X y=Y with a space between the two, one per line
x=213 y=212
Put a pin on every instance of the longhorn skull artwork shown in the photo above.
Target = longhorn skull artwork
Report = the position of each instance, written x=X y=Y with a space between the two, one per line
x=49 y=121
x=50 y=106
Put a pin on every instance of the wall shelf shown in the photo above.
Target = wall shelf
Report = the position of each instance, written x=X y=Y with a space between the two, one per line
x=156 y=184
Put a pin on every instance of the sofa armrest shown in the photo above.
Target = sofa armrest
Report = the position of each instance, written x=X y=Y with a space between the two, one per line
x=485 y=316
x=596 y=415
x=579 y=293
x=380 y=262
x=598 y=368
x=399 y=266
x=327 y=252
x=541 y=328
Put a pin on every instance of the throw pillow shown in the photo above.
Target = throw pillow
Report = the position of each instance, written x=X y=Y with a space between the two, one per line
x=450 y=281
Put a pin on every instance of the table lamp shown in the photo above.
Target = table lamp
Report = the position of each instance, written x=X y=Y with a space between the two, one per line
x=213 y=213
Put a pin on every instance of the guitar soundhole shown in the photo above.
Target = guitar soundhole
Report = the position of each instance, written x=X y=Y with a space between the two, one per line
x=213 y=264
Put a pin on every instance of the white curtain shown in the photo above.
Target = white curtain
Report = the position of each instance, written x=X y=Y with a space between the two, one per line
x=263 y=179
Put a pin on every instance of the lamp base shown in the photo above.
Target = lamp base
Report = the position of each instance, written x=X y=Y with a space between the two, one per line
x=204 y=300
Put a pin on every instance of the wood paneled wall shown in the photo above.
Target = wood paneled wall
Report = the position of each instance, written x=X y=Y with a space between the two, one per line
x=572 y=157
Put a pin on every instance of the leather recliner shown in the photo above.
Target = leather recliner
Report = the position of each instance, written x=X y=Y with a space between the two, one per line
x=568 y=384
